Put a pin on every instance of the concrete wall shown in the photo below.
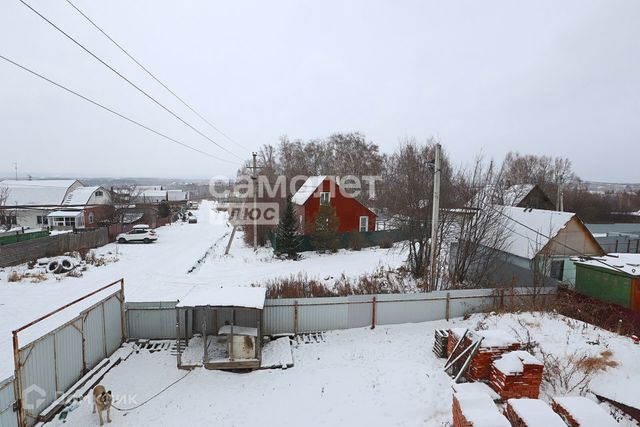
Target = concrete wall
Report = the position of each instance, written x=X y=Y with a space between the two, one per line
x=17 y=253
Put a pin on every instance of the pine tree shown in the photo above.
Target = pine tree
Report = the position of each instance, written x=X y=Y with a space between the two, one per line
x=287 y=235
x=325 y=230
x=163 y=209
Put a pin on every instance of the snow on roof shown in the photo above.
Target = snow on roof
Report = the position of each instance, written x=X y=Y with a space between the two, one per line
x=496 y=338
x=628 y=263
x=64 y=214
x=480 y=411
x=585 y=412
x=307 y=189
x=514 y=194
x=80 y=195
x=37 y=192
x=514 y=361
x=536 y=413
x=528 y=230
x=233 y=296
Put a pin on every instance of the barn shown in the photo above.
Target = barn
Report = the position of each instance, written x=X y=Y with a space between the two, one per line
x=325 y=190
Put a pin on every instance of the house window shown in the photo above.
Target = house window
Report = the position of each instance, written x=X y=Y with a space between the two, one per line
x=364 y=223
x=98 y=193
x=557 y=269
x=325 y=197
x=40 y=219
x=92 y=218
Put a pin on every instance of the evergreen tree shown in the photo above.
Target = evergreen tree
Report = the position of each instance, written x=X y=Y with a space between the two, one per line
x=287 y=235
x=325 y=230
x=163 y=209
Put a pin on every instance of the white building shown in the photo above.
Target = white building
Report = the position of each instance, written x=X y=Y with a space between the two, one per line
x=57 y=203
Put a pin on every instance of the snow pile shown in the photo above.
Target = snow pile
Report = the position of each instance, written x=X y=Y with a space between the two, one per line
x=479 y=410
x=496 y=338
x=476 y=387
x=534 y=413
x=514 y=361
x=585 y=412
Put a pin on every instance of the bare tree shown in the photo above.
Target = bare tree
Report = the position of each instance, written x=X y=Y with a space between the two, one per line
x=481 y=237
x=4 y=213
x=123 y=198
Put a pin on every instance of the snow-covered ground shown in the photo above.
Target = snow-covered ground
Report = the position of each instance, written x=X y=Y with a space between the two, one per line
x=165 y=271
x=388 y=376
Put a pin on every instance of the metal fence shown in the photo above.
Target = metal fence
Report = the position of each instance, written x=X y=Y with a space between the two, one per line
x=8 y=418
x=49 y=366
x=155 y=320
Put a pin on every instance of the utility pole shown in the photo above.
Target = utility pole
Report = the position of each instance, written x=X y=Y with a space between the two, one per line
x=560 y=198
x=254 y=176
x=434 y=217
x=15 y=166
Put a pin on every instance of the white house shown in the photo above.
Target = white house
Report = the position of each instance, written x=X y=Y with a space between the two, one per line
x=56 y=203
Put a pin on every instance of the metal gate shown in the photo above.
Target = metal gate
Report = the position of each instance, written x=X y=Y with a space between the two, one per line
x=8 y=417
x=50 y=365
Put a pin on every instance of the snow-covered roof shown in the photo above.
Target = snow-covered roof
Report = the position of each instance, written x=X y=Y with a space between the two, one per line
x=37 y=192
x=218 y=296
x=307 y=189
x=514 y=194
x=628 y=263
x=81 y=195
x=64 y=214
x=585 y=412
x=536 y=413
x=529 y=230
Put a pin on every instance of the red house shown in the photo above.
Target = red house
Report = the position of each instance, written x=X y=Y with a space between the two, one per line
x=317 y=190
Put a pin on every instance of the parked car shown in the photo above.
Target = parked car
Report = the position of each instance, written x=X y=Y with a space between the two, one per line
x=193 y=219
x=139 y=233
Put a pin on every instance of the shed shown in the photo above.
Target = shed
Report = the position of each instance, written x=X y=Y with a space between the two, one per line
x=220 y=328
x=614 y=278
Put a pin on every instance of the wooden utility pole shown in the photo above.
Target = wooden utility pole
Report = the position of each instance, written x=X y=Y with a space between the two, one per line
x=434 y=217
x=254 y=176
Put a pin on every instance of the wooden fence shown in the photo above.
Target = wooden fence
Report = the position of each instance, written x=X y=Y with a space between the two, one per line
x=20 y=252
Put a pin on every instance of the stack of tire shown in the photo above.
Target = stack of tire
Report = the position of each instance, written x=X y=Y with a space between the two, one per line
x=60 y=265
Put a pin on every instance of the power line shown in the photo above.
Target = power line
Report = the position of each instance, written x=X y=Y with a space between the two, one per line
x=588 y=257
x=112 y=111
x=152 y=75
x=126 y=79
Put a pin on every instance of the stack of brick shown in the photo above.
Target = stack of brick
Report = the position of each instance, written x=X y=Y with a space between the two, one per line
x=516 y=374
x=494 y=344
x=476 y=410
x=579 y=411
x=531 y=413
x=453 y=337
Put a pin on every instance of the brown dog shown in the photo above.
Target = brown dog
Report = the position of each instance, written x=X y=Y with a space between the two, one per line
x=102 y=401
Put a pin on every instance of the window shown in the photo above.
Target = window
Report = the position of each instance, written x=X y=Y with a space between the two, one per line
x=92 y=218
x=364 y=223
x=325 y=197
x=98 y=193
x=557 y=269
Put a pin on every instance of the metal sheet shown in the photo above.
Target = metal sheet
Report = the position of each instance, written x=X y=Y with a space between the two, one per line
x=8 y=418
x=68 y=355
x=151 y=320
x=113 y=324
x=38 y=377
x=93 y=327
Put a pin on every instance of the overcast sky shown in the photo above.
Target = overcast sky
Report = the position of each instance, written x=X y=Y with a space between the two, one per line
x=552 y=77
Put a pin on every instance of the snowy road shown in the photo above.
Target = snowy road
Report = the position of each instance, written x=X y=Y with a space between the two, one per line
x=160 y=272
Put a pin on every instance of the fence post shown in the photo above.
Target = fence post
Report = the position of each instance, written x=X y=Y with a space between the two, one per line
x=17 y=385
x=295 y=317
x=373 y=313
x=447 y=309
x=123 y=317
